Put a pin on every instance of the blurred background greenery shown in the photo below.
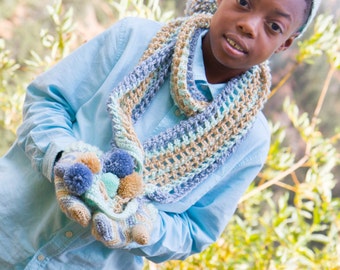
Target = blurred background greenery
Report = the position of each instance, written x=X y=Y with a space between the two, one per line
x=290 y=217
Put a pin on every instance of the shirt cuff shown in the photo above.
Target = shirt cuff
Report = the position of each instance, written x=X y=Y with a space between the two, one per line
x=50 y=157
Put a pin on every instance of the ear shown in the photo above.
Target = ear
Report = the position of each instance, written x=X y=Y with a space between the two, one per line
x=284 y=46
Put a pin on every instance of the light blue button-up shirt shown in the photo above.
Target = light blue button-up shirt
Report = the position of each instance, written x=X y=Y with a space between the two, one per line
x=67 y=104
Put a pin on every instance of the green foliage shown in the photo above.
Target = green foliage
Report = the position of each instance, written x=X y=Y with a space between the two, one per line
x=325 y=40
x=15 y=74
x=11 y=95
x=138 y=8
x=280 y=157
x=288 y=219
x=58 y=43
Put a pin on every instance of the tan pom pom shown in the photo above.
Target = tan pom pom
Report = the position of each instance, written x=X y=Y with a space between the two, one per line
x=140 y=234
x=130 y=186
x=91 y=161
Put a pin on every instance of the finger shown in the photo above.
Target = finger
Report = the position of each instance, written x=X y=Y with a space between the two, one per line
x=75 y=209
x=112 y=233
x=144 y=219
x=140 y=233
x=72 y=206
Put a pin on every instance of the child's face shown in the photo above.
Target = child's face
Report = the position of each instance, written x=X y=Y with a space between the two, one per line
x=244 y=33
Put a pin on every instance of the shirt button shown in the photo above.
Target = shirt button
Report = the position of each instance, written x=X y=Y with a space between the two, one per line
x=41 y=257
x=177 y=112
x=69 y=234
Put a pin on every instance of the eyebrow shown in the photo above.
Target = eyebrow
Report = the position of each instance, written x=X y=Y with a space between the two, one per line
x=283 y=14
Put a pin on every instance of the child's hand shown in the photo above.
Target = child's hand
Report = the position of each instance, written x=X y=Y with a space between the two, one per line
x=87 y=181
x=73 y=177
x=121 y=216
x=117 y=233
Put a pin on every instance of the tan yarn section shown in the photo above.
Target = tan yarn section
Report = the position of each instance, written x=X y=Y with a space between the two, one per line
x=179 y=74
x=129 y=131
x=182 y=160
x=132 y=98
x=163 y=36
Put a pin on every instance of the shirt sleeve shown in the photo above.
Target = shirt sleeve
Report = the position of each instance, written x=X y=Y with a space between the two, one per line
x=53 y=98
x=180 y=235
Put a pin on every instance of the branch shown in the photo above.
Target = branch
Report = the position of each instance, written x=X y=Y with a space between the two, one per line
x=322 y=95
x=283 y=80
x=276 y=179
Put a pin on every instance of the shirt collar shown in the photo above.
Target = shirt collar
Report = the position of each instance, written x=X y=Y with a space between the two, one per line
x=207 y=89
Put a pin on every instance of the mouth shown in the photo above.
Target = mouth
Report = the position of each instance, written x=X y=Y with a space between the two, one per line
x=237 y=45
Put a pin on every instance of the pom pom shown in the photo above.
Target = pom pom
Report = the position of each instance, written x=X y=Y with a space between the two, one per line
x=78 y=179
x=130 y=186
x=118 y=162
x=91 y=160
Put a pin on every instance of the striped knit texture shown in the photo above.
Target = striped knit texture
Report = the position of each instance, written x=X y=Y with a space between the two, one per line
x=175 y=161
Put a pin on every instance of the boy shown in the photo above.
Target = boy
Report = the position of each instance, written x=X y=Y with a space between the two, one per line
x=184 y=104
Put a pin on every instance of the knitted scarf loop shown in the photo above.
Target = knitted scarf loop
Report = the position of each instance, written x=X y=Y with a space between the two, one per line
x=175 y=161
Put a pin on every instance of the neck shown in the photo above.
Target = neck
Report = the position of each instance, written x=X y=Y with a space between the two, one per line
x=214 y=70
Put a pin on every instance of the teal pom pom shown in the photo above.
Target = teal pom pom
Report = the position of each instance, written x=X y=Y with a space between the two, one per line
x=78 y=179
x=118 y=162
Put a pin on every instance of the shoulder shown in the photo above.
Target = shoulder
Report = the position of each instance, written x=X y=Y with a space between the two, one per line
x=134 y=26
x=138 y=22
x=130 y=36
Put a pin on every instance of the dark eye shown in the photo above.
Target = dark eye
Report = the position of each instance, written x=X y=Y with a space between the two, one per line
x=275 y=27
x=243 y=3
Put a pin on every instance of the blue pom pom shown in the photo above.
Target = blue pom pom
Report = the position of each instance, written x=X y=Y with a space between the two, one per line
x=78 y=179
x=118 y=162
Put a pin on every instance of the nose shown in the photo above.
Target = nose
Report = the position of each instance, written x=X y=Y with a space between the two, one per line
x=248 y=26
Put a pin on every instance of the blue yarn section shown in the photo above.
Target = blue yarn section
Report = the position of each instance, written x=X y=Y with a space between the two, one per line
x=196 y=94
x=142 y=71
x=59 y=170
x=150 y=93
x=118 y=162
x=78 y=179
x=162 y=63
x=103 y=227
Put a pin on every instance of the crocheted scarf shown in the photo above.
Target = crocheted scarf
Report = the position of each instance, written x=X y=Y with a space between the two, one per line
x=175 y=161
